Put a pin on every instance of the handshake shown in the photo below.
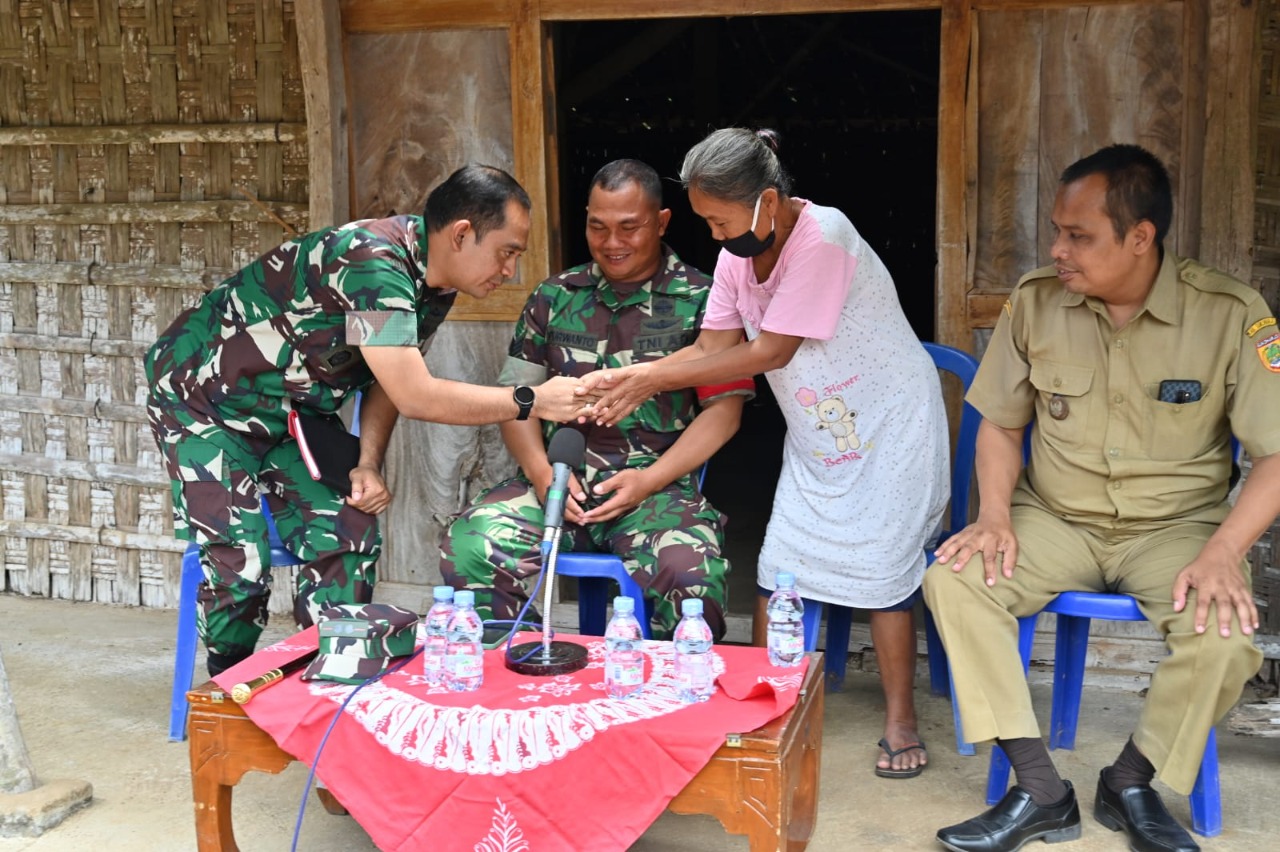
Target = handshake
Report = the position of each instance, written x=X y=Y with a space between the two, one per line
x=605 y=396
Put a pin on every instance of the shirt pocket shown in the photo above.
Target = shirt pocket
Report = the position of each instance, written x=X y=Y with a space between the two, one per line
x=1177 y=431
x=1072 y=384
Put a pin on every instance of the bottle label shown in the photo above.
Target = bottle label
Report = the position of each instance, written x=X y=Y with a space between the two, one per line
x=787 y=645
x=626 y=673
x=695 y=676
x=466 y=665
x=432 y=662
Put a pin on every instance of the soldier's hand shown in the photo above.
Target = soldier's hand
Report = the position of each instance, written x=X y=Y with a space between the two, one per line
x=369 y=491
x=557 y=400
x=992 y=537
x=1217 y=577
x=574 y=501
x=629 y=488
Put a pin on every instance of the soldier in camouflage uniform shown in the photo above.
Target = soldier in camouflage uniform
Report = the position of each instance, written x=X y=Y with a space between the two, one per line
x=636 y=497
x=304 y=327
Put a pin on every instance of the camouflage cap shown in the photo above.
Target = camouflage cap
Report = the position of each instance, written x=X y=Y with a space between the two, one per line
x=358 y=641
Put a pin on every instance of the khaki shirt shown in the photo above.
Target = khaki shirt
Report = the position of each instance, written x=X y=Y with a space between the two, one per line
x=1105 y=449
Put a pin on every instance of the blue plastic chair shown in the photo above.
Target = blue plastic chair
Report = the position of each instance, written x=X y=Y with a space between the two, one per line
x=1075 y=610
x=597 y=573
x=840 y=618
x=184 y=657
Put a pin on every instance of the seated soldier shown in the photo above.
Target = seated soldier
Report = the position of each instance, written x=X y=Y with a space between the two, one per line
x=636 y=498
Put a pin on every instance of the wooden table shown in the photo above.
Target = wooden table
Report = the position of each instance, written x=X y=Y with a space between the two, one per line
x=762 y=784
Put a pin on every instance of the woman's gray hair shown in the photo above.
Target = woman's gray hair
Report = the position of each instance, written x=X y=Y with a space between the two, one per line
x=736 y=165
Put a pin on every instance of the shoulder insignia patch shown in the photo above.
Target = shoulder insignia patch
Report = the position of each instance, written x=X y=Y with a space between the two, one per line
x=1269 y=352
x=1260 y=325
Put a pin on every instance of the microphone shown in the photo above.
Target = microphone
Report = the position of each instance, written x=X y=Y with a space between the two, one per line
x=565 y=452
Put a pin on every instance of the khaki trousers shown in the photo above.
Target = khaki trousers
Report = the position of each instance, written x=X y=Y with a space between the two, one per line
x=1199 y=680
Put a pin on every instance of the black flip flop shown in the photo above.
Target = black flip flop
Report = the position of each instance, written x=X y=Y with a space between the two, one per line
x=892 y=753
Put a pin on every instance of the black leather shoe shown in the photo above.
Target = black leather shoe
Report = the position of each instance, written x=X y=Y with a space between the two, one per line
x=1139 y=811
x=1015 y=820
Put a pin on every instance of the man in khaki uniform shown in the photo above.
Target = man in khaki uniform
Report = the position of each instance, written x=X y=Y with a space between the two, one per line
x=1136 y=367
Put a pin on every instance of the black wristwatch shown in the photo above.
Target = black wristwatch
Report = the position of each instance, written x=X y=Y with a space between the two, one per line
x=524 y=399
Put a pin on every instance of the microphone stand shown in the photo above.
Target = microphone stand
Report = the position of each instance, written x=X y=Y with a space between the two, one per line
x=551 y=658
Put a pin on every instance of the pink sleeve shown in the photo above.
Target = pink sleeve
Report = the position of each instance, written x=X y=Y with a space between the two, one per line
x=722 y=312
x=815 y=284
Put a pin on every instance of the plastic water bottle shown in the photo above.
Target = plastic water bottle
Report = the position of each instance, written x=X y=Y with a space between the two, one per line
x=695 y=679
x=623 y=651
x=433 y=634
x=464 y=651
x=786 y=623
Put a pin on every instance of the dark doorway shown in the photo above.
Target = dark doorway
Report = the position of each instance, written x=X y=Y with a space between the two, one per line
x=855 y=99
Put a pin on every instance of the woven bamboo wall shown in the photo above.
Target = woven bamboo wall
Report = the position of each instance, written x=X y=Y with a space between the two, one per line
x=133 y=135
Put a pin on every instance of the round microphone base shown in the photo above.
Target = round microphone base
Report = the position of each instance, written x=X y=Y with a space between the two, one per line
x=560 y=658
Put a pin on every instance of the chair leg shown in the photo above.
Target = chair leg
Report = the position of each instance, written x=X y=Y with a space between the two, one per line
x=1072 y=647
x=997 y=775
x=963 y=747
x=939 y=673
x=184 y=656
x=812 y=619
x=1206 y=796
x=593 y=603
x=839 y=624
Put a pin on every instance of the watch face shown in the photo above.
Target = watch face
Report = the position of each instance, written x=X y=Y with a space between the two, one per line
x=523 y=396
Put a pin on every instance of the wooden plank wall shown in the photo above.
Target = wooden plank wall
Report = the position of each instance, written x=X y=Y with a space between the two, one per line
x=132 y=134
x=409 y=132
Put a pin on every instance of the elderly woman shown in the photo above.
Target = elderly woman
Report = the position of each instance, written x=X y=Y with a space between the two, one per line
x=865 y=466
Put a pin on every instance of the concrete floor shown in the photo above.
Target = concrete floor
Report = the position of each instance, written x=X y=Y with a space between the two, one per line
x=91 y=685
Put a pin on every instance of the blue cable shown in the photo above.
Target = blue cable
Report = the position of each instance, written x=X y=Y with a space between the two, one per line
x=302 y=807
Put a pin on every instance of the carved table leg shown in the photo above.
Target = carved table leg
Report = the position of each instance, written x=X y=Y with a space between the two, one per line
x=225 y=745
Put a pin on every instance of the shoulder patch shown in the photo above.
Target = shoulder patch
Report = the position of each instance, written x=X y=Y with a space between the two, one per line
x=1260 y=325
x=1269 y=351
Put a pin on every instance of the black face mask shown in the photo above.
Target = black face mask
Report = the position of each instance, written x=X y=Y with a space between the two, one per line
x=748 y=244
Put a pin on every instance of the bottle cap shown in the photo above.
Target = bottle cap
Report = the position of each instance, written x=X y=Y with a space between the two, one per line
x=464 y=597
x=691 y=606
x=624 y=604
x=786 y=580
x=442 y=593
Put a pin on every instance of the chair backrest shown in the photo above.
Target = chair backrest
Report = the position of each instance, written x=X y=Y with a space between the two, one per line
x=964 y=367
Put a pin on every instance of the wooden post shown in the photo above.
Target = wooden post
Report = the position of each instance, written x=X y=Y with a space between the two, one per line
x=321 y=55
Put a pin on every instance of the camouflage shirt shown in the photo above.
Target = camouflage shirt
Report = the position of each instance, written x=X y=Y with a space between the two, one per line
x=576 y=322
x=285 y=330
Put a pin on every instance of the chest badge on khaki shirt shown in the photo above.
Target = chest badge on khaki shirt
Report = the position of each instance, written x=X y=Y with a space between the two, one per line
x=1058 y=408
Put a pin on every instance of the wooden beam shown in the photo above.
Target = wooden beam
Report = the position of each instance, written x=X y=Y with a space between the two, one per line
x=147 y=211
x=388 y=16
x=153 y=134
x=619 y=10
x=529 y=134
x=952 y=280
x=112 y=275
x=982 y=307
x=320 y=53
x=1231 y=95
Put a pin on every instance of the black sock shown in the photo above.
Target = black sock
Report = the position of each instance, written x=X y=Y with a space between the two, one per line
x=1035 y=770
x=1130 y=769
x=219 y=663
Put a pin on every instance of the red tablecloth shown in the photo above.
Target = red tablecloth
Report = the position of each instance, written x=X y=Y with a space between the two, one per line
x=534 y=764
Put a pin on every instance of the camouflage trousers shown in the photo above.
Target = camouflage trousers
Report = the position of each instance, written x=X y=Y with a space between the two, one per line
x=670 y=544
x=219 y=481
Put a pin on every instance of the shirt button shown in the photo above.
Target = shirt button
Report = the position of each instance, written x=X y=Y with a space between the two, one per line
x=1057 y=382
x=1119 y=344
x=1118 y=398
x=1114 y=452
